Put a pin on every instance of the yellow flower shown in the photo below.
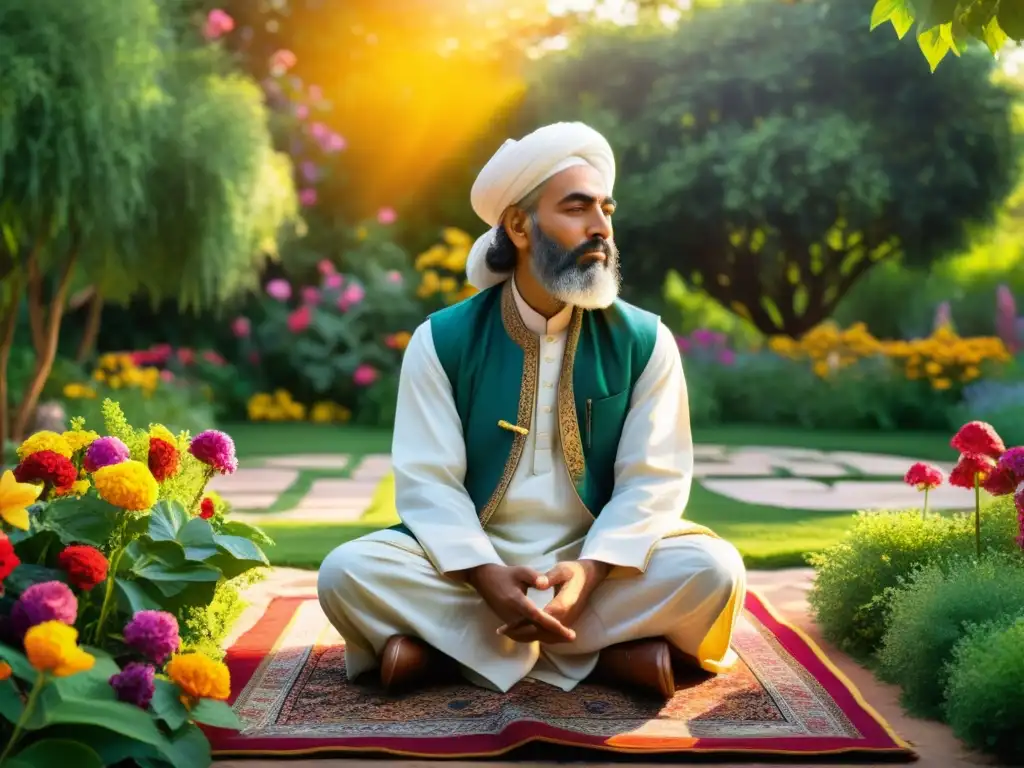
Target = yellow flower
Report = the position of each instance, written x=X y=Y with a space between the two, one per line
x=400 y=340
x=128 y=485
x=45 y=441
x=78 y=489
x=322 y=413
x=53 y=647
x=821 y=368
x=456 y=237
x=80 y=438
x=5 y=670
x=78 y=391
x=448 y=285
x=160 y=432
x=199 y=676
x=941 y=383
x=15 y=497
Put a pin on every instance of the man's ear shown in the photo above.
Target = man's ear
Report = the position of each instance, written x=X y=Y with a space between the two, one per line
x=517 y=227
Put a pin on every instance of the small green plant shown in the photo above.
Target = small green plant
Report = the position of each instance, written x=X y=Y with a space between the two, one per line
x=849 y=596
x=930 y=612
x=983 y=695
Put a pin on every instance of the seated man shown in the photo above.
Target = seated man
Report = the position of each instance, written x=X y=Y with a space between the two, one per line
x=542 y=459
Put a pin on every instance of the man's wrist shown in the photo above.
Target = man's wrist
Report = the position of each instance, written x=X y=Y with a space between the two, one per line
x=597 y=570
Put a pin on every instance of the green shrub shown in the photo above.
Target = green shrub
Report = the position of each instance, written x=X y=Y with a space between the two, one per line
x=986 y=688
x=848 y=595
x=180 y=409
x=930 y=613
x=204 y=627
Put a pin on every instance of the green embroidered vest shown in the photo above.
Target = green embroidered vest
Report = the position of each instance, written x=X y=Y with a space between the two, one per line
x=491 y=359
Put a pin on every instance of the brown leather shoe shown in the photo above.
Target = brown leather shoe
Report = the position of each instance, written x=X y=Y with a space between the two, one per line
x=645 y=664
x=407 y=661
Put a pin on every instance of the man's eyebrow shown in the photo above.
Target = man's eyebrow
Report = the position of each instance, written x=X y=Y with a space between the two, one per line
x=583 y=197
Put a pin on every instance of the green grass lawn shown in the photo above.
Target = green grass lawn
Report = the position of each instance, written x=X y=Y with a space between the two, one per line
x=768 y=537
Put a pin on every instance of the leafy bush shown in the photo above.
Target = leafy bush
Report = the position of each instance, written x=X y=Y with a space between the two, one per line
x=114 y=542
x=983 y=695
x=928 y=614
x=848 y=598
x=1000 y=403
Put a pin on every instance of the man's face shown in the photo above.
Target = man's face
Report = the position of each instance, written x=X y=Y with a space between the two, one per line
x=572 y=253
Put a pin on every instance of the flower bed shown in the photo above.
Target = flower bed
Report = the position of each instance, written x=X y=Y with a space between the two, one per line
x=120 y=574
x=923 y=597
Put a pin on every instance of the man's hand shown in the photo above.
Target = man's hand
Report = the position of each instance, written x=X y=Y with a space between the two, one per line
x=574 y=581
x=504 y=587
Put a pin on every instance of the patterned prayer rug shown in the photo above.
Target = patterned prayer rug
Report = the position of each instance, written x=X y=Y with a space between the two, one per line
x=784 y=698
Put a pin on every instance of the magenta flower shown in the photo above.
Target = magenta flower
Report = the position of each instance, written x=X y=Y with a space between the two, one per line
x=279 y=289
x=325 y=267
x=45 y=601
x=334 y=281
x=301 y=111
x=351 y=296
x=335 y=143
x=394 y=276
x=726 y=357
x=241 y=327
x=308 y=197
x=1013 y=461
x=310 y=172
x=299 y=320
x=387 y=216
x=134 y=684
x=154 y=634
x=364 y=375
x=319 y=131
x=215 y=449
x=105 y=452
x=311 y=294
x=218 y=23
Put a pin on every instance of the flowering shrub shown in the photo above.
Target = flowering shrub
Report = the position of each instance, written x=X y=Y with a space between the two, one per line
x=105 y=569
x=442 y=269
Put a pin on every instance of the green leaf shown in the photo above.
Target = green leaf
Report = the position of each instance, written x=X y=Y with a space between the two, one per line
x=994 y=36
x=27 y=574
x=132 y=597
x=188 y=748
x=240 y=548
x=884 y=10
x=18 y=661
x=934 y=46
x=246 y=531
x=166 y=519
x=59 y=752
x=161 y=574
x=1011 y=19
x=88 y=520
x=166 y=704
x=215 y=713
x=92 y=684
x=11 y=705
x=196 y=536
x=143 y=550
x=934 y=13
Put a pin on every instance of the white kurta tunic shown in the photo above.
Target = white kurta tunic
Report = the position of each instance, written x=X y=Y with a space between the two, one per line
x=686 y=588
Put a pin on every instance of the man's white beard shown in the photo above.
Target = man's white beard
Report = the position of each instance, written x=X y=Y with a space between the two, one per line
x=597 y=288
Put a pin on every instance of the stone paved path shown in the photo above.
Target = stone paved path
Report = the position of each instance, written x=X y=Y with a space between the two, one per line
x=785 y=589
x=788 y=478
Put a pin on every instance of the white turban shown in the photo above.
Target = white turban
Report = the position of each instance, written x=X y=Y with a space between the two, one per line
x=518 y=168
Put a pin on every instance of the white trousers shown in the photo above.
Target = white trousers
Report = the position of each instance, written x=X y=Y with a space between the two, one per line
x=383 y=584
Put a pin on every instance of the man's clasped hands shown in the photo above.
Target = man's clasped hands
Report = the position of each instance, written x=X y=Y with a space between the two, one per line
x=504 y=587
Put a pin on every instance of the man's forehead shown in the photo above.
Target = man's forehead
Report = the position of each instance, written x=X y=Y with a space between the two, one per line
x=583 y=179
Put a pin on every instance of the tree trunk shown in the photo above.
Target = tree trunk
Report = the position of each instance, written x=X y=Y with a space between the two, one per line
x=45 y=335
x=92 y=328
x=8 y=323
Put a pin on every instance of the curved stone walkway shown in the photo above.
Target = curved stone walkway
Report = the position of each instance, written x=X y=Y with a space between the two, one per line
x=769 y=476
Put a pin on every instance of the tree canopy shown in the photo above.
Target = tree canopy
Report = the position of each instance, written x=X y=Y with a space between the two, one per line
x=772 y=169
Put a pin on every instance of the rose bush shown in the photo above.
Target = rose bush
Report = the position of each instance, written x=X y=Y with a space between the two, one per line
x=105 y=569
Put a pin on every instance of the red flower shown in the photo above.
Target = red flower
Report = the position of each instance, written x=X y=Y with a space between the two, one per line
x=8 y=560
x=970 y=464
x=163 y=459
x=47 y=467
x=86 y=566
x=206 y=509
x=1018 y=500
x=923 y=476
x=1000 y=481
x=978 y=437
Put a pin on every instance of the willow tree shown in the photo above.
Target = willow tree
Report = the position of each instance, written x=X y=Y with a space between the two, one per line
x=79 y=83
x=774 y=153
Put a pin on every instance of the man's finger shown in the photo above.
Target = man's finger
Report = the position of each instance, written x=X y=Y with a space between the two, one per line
x=531 y=578
x=560 y=574
x=546 y=620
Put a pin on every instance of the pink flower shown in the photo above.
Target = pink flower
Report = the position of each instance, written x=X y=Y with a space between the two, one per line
x=979 y=437
x=241 y=327
x=282 y=61
x=1013 y=461
x=923 y=476
x=325 y=267
x=279 y=289
x=307 y=197
x=334 y=281
x=351 y=296
x=971 y=464
x=166 y=375
x=299 y=320
x=387 y=215
x=212 y=357
x=215 y=449
x=218 y=23
x=311 y=294
x=726 y=357
x=309 y=171
x=335 y=143
x=301 y=111
x=315 y=93
x=319 y=131
x=1000 y=482
x=394 y=276
x=364 y=375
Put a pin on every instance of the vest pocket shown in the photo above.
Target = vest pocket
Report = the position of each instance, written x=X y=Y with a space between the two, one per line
x=603 y=418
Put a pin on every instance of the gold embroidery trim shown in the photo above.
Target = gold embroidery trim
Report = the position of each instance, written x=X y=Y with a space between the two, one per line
x=530 y=344
x=568 y=424
x=513 y=427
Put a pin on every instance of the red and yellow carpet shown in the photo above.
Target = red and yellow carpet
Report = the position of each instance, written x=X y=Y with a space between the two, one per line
x=784 y=698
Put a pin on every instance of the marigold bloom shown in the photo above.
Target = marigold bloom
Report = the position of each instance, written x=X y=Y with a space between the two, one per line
x=129 y=485
x=923 y=476
x=8 y=559
x=154 y=634
x=47 y=467
x=1000 y=481
x=78 y=489
x=5 y=670
x=15 y=498
x=53 y=647
x=199 y=676
x=86 y=566
x=970 y=464
x=42 y=602
x=80 y=438
x=163 y=460
x=979 y=437
x=45 y=441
